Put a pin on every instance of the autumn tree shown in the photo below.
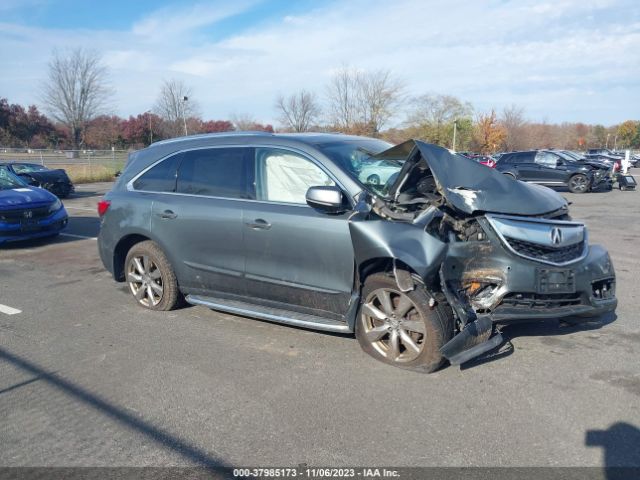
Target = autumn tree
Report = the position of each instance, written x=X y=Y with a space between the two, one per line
x=245 y=122
x=432 y=116
x=76 y=90
x=299 y=111
x=25 y=128
x=363 y=102
x=514 y=124
x=174 y=105
x=489 y=134
x=628 y=133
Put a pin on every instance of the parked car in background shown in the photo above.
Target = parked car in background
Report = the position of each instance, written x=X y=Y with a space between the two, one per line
x=614 y=160
x=27 y=212
x=611 y=167
x=547 y=167
x=282 y=228
x=377 y=173
x=481 y=159
x=56 y=181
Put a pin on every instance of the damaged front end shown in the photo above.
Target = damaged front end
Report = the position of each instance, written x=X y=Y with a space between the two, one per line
x=499 y=250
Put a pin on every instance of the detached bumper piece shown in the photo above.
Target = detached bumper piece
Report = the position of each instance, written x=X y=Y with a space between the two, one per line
x=474 y=339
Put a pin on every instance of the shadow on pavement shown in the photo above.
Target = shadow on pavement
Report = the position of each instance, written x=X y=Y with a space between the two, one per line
x=621 y=445
x=539 y=328
x=158 y=435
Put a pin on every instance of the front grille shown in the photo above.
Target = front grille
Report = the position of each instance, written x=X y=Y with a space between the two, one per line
x=541 y=301
x=545 y=253
x=18 y=215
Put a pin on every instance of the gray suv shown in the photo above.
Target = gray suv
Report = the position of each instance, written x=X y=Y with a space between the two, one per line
x=419 y=251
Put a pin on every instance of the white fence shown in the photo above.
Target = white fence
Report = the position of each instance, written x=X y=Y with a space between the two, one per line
x=112 y=159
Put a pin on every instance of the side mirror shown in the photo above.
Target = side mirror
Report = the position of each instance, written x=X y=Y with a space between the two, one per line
x=327 y=199
x=559 y=162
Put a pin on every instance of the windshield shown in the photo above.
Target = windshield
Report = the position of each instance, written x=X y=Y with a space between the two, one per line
x=570 y=155
x=27 y=168
x=8 y=180
x=356 y=157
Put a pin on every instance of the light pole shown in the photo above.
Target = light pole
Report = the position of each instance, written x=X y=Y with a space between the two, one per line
x=455 y=128
x=615 y=143
x=148 y=114
x=184 y=119
x=607 y=144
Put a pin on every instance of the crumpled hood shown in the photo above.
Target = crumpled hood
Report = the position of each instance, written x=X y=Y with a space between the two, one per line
x=50 y=176
x=25 y=197
x=471 y=187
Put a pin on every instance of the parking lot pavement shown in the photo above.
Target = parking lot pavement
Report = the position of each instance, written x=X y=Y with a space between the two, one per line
x=88 y=378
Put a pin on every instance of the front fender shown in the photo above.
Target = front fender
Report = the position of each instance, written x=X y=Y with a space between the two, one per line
x=407 y=242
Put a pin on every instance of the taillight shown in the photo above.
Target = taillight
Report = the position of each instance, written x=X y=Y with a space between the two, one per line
x=103 y=206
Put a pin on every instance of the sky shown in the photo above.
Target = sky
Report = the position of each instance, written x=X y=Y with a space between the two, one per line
x=561 y=60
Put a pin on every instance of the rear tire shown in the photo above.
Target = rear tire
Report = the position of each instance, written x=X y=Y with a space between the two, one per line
x=399 y=328
x=151 y=278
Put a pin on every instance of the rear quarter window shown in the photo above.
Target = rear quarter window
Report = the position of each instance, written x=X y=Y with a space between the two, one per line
x=161 y=177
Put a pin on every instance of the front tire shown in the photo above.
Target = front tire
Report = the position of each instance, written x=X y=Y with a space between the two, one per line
x=579 y=183
x=151 y=278
x=399 y=328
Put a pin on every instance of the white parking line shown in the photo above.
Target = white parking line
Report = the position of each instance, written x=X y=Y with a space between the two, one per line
x=82 y=208
x=77 y=236
x=9 y=310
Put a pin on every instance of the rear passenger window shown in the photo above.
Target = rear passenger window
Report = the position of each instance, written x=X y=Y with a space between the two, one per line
x=161 y=177
x=217 y=172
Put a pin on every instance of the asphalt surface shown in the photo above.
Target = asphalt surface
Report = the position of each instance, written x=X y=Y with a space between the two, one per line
x=88 y=378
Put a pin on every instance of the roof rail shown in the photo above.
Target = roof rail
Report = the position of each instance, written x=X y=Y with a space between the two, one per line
x=216 y=134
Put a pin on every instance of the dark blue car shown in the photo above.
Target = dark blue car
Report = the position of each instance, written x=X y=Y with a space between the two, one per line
x=27 y=212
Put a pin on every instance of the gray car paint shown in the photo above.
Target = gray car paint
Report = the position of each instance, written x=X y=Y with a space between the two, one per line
x=309 y=261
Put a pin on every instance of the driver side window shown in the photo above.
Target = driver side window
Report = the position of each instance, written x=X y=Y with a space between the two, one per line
x=284 y=176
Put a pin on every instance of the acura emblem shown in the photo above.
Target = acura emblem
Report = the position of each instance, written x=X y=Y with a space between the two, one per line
x=556 y=236
x=27 y=214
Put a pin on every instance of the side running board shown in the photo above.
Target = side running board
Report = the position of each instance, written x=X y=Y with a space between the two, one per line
x=270 y=314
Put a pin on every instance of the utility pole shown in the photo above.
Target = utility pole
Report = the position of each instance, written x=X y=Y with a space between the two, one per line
x=184 y=119
x=607 y=144
x=615 y=143
x=148 y=113
x=455 y=128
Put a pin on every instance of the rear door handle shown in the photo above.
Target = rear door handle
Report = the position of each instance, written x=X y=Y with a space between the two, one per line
x=168 y=214
x=259 y=224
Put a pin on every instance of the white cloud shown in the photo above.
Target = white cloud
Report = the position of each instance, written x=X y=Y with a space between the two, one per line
x=175 y=20
x=548 y=57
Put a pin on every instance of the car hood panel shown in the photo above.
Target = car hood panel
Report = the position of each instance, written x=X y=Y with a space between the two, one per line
x=471 y=187
x=26 y=197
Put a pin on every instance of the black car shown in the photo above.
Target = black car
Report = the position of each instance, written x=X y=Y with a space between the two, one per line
x=56 y=181
x=552 y=169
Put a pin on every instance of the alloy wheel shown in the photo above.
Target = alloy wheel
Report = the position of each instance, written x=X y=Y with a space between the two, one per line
x=145 y=280
x=393 y=326
x=579 y=183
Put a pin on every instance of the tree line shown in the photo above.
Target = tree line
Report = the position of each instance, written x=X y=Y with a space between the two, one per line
x=76 y=96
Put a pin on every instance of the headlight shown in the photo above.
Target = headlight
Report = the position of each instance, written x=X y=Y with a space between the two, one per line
x=55 y=206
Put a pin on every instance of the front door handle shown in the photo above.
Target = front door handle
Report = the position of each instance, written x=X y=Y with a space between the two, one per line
x=259 y=224
x=168 y=214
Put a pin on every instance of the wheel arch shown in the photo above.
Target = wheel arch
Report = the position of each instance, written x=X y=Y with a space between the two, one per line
x=120 y=253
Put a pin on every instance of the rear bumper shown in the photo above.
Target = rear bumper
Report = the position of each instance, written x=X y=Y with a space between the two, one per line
x=45 y=227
